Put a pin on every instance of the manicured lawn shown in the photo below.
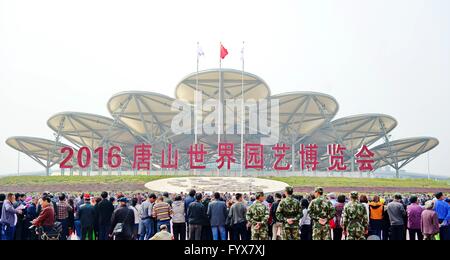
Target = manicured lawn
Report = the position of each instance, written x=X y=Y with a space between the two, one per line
x=361 y=182
x=293 y=181
x=27 y=180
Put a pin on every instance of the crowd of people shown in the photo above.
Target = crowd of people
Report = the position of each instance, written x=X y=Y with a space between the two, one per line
x=226 y=216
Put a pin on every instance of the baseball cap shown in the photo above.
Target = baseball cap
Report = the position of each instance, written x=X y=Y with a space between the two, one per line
x=123 y=199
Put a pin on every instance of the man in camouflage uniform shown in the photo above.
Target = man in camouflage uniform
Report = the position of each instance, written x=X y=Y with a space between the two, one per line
x=321 y=212
x=354 y=219
x=258 y=216
x=289 y=212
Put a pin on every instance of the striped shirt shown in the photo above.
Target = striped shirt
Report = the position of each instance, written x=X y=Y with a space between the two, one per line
x=161 y=211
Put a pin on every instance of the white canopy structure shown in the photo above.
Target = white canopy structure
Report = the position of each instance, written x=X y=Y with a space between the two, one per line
x=146 y=117
x=93 y=131
x=45 y=152
x=231 y=84
x=399 y=153
x=352 y=132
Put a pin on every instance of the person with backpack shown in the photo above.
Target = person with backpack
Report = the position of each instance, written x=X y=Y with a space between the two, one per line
x=122 y=221
x=339 y=206
x=277 y=226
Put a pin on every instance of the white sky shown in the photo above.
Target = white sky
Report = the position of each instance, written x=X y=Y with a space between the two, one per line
x=377 y=56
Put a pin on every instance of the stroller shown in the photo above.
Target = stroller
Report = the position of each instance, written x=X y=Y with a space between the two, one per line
x=53 y=234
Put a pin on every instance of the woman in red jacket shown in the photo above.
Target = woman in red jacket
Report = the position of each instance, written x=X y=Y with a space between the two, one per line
x=46 y=218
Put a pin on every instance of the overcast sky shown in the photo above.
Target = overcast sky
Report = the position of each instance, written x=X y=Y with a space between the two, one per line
x=377 y=56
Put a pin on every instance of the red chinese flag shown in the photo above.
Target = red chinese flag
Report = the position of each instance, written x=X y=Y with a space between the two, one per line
x=223 y=52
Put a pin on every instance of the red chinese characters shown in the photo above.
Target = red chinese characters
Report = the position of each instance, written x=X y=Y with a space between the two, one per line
x=226 y=153
x=196 y=155
x=364 y=159
x=336 y=157
x=280 y=153
x=169 y=164
x=309 y=157
x=254 y=156
x=142 y=157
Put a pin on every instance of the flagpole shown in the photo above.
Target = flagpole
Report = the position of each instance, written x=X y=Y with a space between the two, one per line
x=219 y=106
x=195 y=103
x=219 y=120
x=242 y=111
x=196 y=97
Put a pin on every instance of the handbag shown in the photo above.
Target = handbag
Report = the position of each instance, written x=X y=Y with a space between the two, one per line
x=118 y=229
x=437 y=237
x=332 y=224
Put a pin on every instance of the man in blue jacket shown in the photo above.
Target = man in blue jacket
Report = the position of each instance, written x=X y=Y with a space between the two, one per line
x=442 y=209
x=217 y=214
x=187 y=201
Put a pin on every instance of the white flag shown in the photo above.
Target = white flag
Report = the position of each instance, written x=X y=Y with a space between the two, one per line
x=200 y=51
